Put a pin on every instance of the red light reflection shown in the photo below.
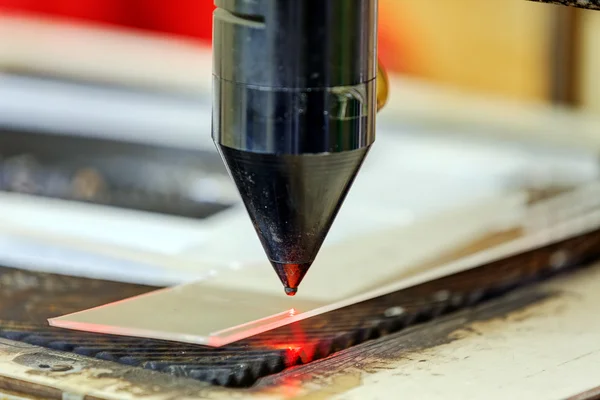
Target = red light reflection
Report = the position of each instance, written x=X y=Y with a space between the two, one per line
x=297 y=347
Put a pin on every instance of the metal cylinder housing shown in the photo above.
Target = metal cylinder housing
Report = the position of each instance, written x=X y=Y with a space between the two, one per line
x=294 y=76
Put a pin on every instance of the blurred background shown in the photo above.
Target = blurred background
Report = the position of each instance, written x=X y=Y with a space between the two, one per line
x=107 y=102
x=510 y=48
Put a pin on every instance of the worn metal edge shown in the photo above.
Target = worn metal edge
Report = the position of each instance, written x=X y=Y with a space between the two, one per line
x=87 y=378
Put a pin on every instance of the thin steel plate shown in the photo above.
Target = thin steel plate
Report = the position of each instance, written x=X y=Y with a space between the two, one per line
x=233 y=307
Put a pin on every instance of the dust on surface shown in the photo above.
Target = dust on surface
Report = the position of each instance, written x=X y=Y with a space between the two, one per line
x=341 y=372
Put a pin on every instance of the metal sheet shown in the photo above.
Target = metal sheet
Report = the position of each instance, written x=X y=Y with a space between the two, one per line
x=239 y=304
x=234 y=306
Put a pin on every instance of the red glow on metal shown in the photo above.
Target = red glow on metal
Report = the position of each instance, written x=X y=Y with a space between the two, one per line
x=295 y=273
x=295 y=346
x=294 y=355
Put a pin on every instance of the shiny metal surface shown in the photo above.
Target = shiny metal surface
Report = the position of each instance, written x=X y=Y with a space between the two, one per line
x=295 y=77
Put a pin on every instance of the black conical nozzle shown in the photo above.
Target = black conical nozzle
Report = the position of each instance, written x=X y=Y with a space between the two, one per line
x=292 y=201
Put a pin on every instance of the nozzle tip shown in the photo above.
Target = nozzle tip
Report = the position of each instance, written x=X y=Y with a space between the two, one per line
x=290 y=275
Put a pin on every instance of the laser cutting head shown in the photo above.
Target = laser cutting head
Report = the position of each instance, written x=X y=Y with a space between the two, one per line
x=293 y=115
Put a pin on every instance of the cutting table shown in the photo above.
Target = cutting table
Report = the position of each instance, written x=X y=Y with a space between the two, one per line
x=533 y=335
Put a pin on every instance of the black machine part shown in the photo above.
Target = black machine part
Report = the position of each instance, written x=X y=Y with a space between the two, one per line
x=294 y=114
